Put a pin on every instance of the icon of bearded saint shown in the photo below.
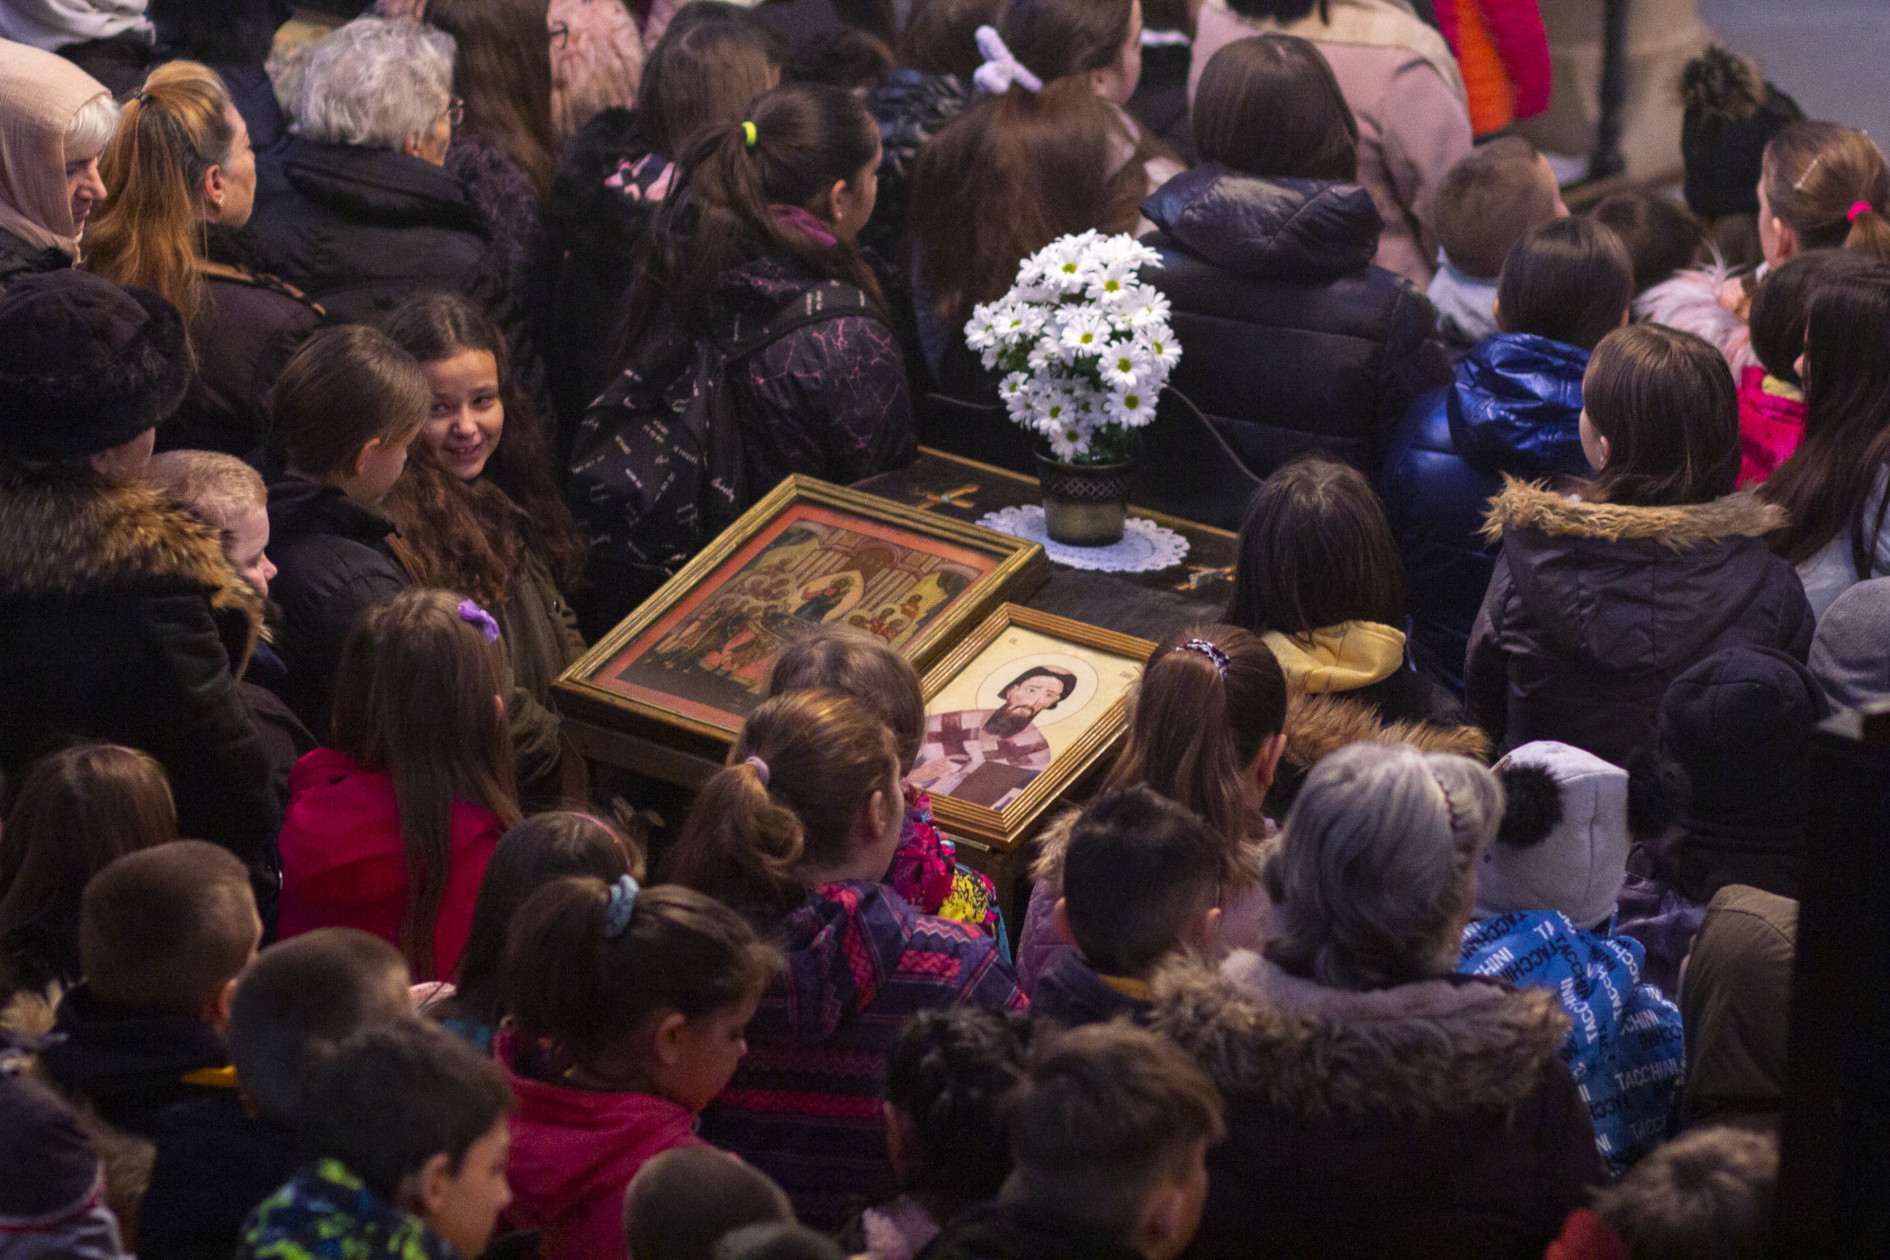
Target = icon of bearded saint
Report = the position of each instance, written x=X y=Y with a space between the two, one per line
x=985 y=756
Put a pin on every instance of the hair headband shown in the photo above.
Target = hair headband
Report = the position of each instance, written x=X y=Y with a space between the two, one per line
x=750 y=133
x=469 y=611
x=760 y=768
x=1860 y=208
x=1000 y=70
x=623 y=899
x=1210 y=651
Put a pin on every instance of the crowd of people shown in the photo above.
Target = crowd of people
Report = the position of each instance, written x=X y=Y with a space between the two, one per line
x=1439 y=901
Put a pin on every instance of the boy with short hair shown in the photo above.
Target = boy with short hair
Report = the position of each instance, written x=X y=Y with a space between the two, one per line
x=1487 y=203
x=1706 y=1193
x=1109 y=1136
x=219 y=1157
x=683 y=1201
x=1141 y=880
x=163 y=933
x=408 y=1123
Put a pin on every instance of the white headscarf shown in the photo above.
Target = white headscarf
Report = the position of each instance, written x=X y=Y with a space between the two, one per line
x=40 y=92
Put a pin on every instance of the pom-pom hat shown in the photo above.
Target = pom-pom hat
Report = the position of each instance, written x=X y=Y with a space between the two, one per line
x=1564 y=840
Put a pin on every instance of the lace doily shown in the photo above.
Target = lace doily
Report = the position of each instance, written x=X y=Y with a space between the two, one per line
x=1145 y=546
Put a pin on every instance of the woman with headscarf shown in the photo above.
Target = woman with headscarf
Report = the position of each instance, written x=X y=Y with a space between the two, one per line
x=55 y=120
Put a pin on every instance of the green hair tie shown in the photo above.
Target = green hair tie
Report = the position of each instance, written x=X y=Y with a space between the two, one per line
x=748 y=129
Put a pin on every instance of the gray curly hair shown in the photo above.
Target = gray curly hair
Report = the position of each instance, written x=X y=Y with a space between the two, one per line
x=1377 y=865
x=375 y=82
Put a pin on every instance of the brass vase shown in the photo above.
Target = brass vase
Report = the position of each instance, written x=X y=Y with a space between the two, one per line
x=1084 y=505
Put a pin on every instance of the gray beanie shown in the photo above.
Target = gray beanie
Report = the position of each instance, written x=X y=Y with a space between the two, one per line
x=1579 y=865
x=1850 y=654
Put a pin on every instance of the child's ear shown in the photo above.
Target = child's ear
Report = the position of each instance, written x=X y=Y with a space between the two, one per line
x=359 y=463
x=216 y=1012
x=1207 y=929
x=1267 y=764
x=425 y=1193
x=1060 y=921
x=1159 y=1226
x=902 y=1144
x=836 y=198
x=668 y=1040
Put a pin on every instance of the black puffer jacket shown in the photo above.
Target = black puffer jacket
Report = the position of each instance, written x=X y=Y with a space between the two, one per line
x=333 y=561
x=120 y=620
x=1595 y=608
x=1291 y=340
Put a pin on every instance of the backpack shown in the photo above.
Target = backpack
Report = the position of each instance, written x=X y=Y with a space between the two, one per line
x=657 y=467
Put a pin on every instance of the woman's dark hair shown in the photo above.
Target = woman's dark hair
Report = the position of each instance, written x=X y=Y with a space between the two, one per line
x=1826 y=486
x=1815 y=173
x=1269 y=106
x=1197 y=726
x=1569 y=280
x=1315 y=550
x=861 y=665
x=343 y=388
x=533 y=853
x=1780 y=304
x=1055 y=39
x=502 y=70
x=941 y=36
x=712 y=62
x=808 y=136
x=947 y=1076
x=464 y=535
x=1665 y=402
x=586 y=995
x=1661 y=235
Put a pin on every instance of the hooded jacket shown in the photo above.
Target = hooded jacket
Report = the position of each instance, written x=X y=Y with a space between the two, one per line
x=1432 y=1119
x=333 y=561
x=249 y=328
x=1072 y=993
x=22 y=258
x=1594 y=608
x=804 y=1106
x=121 y=621
x=1735 y=1005
x=343 y=864
x=1771 y=424
x=1514 y=409
x=1292 y=341
x=128 y=1064
x=327 y=1211
x=215 y=1162
x=573 y=1154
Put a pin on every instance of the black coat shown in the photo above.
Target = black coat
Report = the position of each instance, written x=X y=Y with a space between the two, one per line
x=214 y=1163
x=1017 y=1231
x=130 y=1064
x=21 y=258
x=120 y=620
x=1071 y=993
x=1595 y=608
x=333 y=561
x=1291 y=340
x=249 y=327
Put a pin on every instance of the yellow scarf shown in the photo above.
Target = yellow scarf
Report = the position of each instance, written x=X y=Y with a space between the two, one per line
x=1344 y=657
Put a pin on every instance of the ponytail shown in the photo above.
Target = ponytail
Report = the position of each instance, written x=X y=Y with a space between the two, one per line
x=1870 y=231
x=805 y=764
x=1830 y=185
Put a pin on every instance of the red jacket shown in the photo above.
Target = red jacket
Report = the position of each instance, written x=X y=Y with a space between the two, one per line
x=1522 y=45
x=573 y=1154
x=343 y=865
x=1771 y=425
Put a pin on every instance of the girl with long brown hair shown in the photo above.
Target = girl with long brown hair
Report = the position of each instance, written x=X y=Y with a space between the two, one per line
x=183 y=181
x=390 y=827
x=479 y=511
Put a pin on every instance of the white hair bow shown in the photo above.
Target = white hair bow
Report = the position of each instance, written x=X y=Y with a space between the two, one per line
x=1000 y=70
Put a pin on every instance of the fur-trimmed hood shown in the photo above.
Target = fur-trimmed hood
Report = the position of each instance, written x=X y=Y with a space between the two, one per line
x=61 y=538
x=1317 y=726
x=1417 y=1052
x=1531 y=505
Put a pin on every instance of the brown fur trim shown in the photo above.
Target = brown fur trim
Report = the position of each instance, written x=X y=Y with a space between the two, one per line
x=1052 y=843
x=65 y=537
x=1317 y=726
x=1420 y=1051
x=1532 y=505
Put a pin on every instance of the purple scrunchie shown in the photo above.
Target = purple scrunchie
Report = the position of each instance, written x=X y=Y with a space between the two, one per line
x=469 y=611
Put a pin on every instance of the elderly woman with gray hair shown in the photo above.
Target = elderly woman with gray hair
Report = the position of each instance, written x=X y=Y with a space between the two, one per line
x=1377 y=1102
x=370 y=217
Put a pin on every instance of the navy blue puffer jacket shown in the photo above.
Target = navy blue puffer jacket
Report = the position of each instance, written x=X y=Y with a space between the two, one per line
x=1515 y=408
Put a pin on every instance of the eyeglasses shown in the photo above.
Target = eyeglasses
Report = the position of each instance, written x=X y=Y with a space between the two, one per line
x=455 y=110
x=560 y=34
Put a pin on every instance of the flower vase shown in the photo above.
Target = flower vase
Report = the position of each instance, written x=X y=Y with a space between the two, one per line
x=1084 y=505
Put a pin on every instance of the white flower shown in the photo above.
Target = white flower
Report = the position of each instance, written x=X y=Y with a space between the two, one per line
x=1069 y=444
x=981 y=333
x=1114 y=284
x=1161 y=347
x=1014 y=390
x=1085 y=332
x=1125 y=365
x=1149 y=309
x=1131 y=408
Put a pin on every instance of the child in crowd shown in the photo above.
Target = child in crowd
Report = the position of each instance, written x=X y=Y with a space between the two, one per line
x=1736 y=1005
x=77 y=811
x=1708 y=1193
x=1730 y=113
x=219 y=1157
x=1849 y=655
x=50 y=1204
x=390 y=827
x=1560 y=648
x=1206 y=732
x=798 y=833
x=1544 y=917
x=681 y=1203
x=1490 y=200
x=344 y=411
x=407 y=1124
x=1771 y=393
x=1515 y=410
x=1661 y=236
x=627 y=1007
x=163 y=933
x=946 y=1083
x=532 y=854
x=1109 y=1137
x=776 y=1241
x=925 y=871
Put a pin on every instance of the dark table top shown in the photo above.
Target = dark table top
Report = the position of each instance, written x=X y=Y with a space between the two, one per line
x=1150 y=605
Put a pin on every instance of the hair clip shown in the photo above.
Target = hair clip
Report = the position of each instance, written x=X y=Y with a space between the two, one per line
x=469 y=611
x=1000 y=69
x=760 y=767
x=751 y=133
x=1210 y=651
x=623 y=899
x=1800 y=185
x=1859 y=208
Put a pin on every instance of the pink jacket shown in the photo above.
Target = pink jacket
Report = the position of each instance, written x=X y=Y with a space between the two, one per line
x=1771 y=424
x=1521 y=42
x=574 y=1152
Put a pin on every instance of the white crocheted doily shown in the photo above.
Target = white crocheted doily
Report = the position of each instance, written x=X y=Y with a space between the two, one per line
x=1145 y=546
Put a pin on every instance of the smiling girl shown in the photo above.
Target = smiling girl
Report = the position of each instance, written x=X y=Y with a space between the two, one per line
x=479 y=512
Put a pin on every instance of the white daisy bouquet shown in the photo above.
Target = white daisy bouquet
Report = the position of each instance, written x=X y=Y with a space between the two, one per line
x=1084 y=345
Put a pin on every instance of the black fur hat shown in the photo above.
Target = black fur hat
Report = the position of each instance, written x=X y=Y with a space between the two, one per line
x=85 y=365
x=1731 y=114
